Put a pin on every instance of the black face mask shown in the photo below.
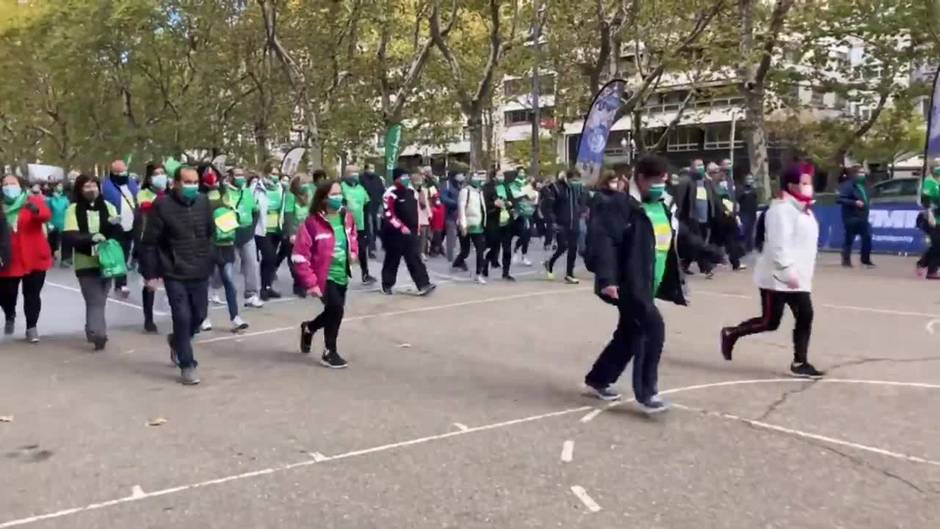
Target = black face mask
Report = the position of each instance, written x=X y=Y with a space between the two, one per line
x=120 y=180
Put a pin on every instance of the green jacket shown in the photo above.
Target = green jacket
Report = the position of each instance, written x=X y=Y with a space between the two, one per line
x=58 y=204
x=356 y=199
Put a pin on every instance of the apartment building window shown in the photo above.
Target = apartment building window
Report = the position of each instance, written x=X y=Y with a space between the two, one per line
x=523 y=85
x=817 y=98
x=684 y=139
x=516 y=117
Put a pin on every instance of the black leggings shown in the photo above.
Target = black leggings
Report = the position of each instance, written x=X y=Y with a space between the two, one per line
x=32 y=299
x=267 y=250
x=500 y=238
x=523 y=229
x=479 y=245
x=147 y=297
x=772 y=302
x=567 y=241
x=931 y=258
x=334 y=306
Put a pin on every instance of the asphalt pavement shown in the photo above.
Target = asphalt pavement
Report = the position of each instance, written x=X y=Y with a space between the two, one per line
x=463 y=410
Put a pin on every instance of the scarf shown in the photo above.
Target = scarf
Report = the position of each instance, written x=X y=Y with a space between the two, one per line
x=81 y=214
x=12 y=211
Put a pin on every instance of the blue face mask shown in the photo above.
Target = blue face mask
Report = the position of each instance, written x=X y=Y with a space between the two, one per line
x=12 y=192
x=158 y=181
x=190 y=191
x=655 y=193
x=334 y=202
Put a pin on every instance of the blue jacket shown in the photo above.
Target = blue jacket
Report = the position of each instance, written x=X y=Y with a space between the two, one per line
x=112 y=193
x=449 y=197
x=849 y=194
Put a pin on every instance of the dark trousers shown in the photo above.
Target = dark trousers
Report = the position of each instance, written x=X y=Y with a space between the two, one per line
x=334 y=306
x=772 y=303
x=55 y=239
x=189 y=304
x=639 y=335
x=32 y=299
x=931 y=258
x=567 y=238
x=126 y=238
x=398 y=246
x=267 y=251
x=748 y=222
x=500 y=238
x=479 y=245
x=373 y=219
x=702 y=230
x=548 y=236
x=147 y=297
x=860 y=228
x=523 y=230
x=362 y=238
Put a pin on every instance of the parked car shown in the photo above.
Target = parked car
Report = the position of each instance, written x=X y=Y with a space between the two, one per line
x=896 y=190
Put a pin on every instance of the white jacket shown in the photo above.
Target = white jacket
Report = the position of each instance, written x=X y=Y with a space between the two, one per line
x=790 y=242
x=470 y=208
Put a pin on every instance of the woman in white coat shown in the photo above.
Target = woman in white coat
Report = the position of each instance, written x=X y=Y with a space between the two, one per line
x=784 y=270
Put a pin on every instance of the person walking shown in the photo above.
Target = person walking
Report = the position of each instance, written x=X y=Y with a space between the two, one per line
x=375 y=186
x=25 y=216
x=120 y=191
x=632 y=252
x=471 y=223
x=420 y=185
x=269 y=245
x=225 y=218
x=784 y=271
x=357 y=202
x=696 y=207
x=499 y=211
x=296 y=211
x=450 y=198
x=325 y=247
x=154 y=186
x=89 y=221
x=853 y=197
x=180 y=230
x=747 y=206
x=726 y=224
x=58 y=204
x=568 y=202
x=526 y=199
x=546 y=211
x=929 y=262
x=240 y=196
x=399 y=236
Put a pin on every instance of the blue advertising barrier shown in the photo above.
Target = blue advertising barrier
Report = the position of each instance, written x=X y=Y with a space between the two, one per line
x=894 y=228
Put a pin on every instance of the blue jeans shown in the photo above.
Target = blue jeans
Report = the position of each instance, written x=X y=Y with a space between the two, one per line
x=227 y=275
x=189 y=303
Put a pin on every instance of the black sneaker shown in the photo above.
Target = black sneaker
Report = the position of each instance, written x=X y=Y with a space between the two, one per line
x=274 y=294
x=507 y=277
x=150 y=327
x=688 y=272
x=869 y=264
x=332 y=360
x=710 y=274
x=306 y=338
x=462 y=267
x=846 y=264
x=425 y=290
x=368 y=280
x=300 y=291
x=99 y=342
x=265 y=295
x=387 y=291
x=805 y=370
x=173 y=357
x=602 y=392
x=8 y=327
x=727 y=343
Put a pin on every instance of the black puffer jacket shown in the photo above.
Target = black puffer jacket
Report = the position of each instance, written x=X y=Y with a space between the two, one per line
x=567 y=204
x=180 y=235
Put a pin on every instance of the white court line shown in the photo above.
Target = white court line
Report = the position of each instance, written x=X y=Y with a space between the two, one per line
x=137 y=492
x=874 y=310
x=930 y=325
x=590 y=416
x=462 y=427
x=416 y=310
x=582 y=495
x=567 y=451
x=813 y=436
x=110 y=299
x=318 y=457
x=412 y=442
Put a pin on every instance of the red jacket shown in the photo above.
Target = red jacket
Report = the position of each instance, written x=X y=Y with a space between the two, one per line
x=31 y=252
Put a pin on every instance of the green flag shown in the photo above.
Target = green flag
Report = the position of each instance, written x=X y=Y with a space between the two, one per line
x=392 y=146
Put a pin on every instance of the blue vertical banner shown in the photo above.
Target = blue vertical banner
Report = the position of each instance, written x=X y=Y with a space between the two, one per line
x=597 y=123
x=932 y=145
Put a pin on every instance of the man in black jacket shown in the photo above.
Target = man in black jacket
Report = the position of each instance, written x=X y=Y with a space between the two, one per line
x=500 y=205
x=178 y=234
x=747 y=204
x=632 y=252
x=568 y=204
x=375 y=186
x=855 y=202
x=696 y=207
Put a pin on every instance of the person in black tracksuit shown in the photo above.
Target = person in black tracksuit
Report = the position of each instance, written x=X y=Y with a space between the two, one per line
x=178 y=243
x=400 y=235
x=375 y=186
x=632 y=251
x=500 y=206
x=567 y=203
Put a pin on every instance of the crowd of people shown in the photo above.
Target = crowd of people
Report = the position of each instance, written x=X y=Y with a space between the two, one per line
x=202 y=233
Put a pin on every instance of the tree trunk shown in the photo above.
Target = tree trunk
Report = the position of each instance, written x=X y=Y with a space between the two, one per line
x=475 y=128
x=756 y=138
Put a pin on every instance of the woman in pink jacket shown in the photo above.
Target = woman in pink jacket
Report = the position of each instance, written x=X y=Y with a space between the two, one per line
x=324 y=248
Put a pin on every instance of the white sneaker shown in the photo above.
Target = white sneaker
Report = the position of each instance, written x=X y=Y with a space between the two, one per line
x=216 y=299
x=479 y=279
x=206 y=325
x=124 y=292
x=515 y=258
x=526 y=261
x=238 y=324
x=254 y=302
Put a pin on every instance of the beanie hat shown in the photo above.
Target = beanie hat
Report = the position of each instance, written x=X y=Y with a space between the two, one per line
x=398 y=172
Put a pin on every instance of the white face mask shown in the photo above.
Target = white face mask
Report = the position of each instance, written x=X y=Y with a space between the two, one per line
x=807 y=190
